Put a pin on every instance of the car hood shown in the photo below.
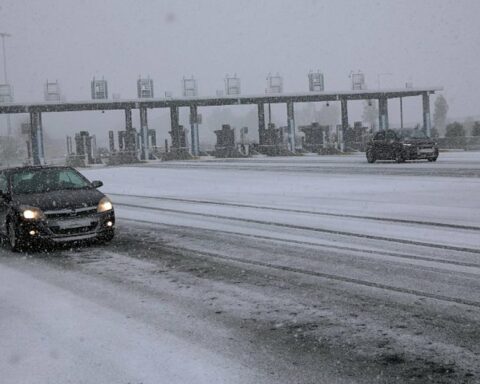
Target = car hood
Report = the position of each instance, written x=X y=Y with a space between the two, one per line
x=54 y=200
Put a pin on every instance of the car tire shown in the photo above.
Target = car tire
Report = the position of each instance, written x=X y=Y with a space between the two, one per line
x=399 y=158
x=370 y=156
x=106 y=237
x=13 y=240
x=432 y=159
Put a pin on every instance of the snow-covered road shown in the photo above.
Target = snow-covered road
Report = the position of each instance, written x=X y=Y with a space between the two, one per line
x=260 y=270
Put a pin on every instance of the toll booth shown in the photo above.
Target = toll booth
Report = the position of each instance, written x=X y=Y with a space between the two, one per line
x=152 y=138
x=85 y=150
x=127 y=152
x=151 y=143
x=179 y=138
x=127 y=140
x=316 y=137
x=225 y=137
x=225 y=146
x=356 y=137
x=111 y=141
x=178 y=149
x=273 y=141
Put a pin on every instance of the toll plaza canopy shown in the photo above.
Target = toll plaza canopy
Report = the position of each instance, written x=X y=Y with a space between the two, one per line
x=382 y=95
x=166 y=102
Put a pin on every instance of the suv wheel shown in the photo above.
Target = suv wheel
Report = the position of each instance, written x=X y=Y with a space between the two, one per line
x=399 y=158
x=13 y=240
x=370 y=156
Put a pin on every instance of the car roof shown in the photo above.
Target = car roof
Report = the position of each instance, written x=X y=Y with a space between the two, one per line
x=32 y=168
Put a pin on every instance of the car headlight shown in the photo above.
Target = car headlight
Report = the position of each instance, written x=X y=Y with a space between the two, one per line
x=104 y=205
x=31 y=213
x=407 y=145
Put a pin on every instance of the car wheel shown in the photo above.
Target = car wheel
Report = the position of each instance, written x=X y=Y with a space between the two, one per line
x=106 y=237
x=399 y=158
x=370 y=156
x=432 y=159
x=13 y=240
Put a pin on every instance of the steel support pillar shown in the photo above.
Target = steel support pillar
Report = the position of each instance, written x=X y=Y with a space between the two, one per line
x=344 y=113
x=128 y=119
x=40 y=130
x=36 y=138
x=383 y=113
x=194 y=130
x=291 y=126
x=144 y=134
x=427 y=127
x=129 y=133
x=111 y=141
x=401 y=112
x=261 y=123
x=175 y=125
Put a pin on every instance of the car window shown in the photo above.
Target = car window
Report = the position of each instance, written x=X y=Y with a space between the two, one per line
x=390 y=135
x=379 y=136
x=418 y=134
x=3 y=182
x=44 y=180
x=70 y=177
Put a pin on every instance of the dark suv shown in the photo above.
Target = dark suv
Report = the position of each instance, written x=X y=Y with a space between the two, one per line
x=407 y=145
x=52 y=204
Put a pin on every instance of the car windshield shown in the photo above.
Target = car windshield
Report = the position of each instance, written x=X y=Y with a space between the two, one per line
x=390 y=135
x=414 y=134
x=45 y=180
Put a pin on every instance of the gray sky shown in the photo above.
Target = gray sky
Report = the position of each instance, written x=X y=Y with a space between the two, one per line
x=428 y=42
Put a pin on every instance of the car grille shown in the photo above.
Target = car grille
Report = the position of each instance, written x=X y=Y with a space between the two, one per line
x=66 y=222
x=71 y=213
x=72 y=231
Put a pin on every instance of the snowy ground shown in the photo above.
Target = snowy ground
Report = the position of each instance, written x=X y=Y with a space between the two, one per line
x=295 y=270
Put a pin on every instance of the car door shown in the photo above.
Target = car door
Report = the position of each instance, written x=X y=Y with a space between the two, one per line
x=379 y=145
x=391 y=143
x=3 y=201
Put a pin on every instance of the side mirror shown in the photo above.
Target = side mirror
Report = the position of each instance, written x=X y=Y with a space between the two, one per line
x=3 y=194
x=96 y=183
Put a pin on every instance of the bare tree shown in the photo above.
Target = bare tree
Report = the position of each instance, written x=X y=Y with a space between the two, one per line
x=476 y=129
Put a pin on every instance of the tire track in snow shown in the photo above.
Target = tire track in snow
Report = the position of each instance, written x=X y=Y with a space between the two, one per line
x=320 y=245
x=365 y=283
x=316 y=213
x=305 y=228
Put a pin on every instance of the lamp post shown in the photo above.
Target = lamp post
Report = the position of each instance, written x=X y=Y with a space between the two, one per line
x=3 y=35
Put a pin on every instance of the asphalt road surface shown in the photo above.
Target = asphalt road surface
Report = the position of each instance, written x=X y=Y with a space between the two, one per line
x=304 y=270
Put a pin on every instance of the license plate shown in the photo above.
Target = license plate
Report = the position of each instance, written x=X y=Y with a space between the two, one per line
x=426 y=150
x=74 y=223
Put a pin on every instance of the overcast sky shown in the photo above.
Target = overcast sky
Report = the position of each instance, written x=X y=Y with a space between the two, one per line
x=428 y=42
